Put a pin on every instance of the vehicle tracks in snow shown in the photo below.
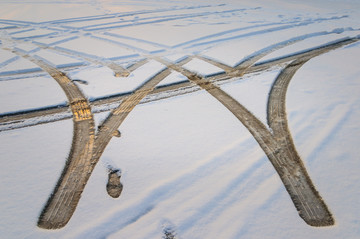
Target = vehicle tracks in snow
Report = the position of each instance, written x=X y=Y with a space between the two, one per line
x=277 y=144
x=63 y=201
x=88 y=146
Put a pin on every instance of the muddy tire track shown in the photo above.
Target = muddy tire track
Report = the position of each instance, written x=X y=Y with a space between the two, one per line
x=63 y=201
x=278 y=144
x=291 y=169
x=287 y=161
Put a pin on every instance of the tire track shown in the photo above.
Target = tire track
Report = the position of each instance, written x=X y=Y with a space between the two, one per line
x=277 y=145
x=306 y=198
x=63 y=201
x=87 y=148
x=10 y=121
x=118 y=70
x=255 y=127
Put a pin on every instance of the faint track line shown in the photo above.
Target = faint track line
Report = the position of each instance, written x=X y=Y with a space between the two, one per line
x=166 y=19
x=126 y=14
x=120 y=71
x=259 y=32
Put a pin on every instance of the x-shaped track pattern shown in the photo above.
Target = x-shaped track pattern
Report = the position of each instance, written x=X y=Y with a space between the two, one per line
x=88 y=144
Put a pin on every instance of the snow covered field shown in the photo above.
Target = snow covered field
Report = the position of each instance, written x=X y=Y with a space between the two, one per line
x=189 y=167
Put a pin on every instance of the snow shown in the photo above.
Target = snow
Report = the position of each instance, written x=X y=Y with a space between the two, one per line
x=303 y=46
x=57 y=59
x=173 y=78
x=106 y=51
x=5 y=55
x=28 y=175
x=202 y=67
x=14 y=66
x=253 y=92
x=101 y=81
x=39 y=11
x=30 y=93
x=130 y=43
x=32 y=33
x=187 y=163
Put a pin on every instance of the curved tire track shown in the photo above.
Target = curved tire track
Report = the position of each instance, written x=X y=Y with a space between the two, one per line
x=291 y=170
x=63 y=201
x=278 y=146
x=287 y=161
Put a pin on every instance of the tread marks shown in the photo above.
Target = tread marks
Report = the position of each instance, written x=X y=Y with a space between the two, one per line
x=278 y=145
x=67 y=192
x=7 y=119
x=81 y=110
x=297 y=182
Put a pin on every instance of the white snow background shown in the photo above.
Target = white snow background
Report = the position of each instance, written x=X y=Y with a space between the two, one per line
x=186 y=161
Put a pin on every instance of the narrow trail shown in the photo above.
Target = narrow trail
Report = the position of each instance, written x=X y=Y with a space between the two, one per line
x=77 y=32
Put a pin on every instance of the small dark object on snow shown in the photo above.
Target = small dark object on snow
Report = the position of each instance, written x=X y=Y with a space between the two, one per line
x=114 y=186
